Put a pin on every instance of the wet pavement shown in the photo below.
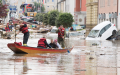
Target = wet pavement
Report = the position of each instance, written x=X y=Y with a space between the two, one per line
x=87 y=58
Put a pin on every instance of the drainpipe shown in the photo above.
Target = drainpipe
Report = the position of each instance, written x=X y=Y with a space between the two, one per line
x=117 y=13
x=80 y=5
x=57 y=4
x=117 y=7
x=65 y=5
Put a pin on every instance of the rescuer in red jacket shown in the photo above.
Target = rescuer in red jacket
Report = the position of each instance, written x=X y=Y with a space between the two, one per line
x=24 y=30
x=7 y=28
x=61 y=36
x=42 y=43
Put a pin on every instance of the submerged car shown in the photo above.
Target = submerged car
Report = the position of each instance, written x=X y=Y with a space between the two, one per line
x=75 y=33
x=103 y=31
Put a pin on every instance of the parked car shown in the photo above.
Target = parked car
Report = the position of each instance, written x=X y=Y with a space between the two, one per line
x=53 y=35
x=103 y=31
x=75 y=33
x=83 y=26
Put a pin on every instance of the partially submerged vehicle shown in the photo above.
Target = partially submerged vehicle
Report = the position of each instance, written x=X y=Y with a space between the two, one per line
x=103 y=31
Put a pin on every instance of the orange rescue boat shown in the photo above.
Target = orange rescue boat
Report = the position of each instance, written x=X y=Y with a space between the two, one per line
x=17 y=49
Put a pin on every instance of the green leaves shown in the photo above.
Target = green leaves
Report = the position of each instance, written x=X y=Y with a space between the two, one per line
x=52 y=17
x=55 y=18
x=39 y=17
x=45 y=19
x=66 y=19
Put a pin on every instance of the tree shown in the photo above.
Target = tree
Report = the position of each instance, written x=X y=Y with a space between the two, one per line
x=57 y=23
x=39 y=17
x=45 y=19
x=52 y=17
x=37 y=5
x=36 y=17
x=66 y=19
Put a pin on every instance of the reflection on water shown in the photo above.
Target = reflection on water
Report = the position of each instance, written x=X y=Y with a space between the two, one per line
x=87 y=58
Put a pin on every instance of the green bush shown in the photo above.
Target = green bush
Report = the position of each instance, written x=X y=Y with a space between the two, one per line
x=45 y=19
x=66 y=19
x=52 y=17
x=39 y=17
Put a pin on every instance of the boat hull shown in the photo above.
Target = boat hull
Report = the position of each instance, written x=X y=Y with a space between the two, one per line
x=34 y=50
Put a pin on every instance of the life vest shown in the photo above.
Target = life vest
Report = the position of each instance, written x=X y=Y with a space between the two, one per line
x=18 y=43
x=61 y=32
x=7 y=28
x=24 y=29
x=41 y=42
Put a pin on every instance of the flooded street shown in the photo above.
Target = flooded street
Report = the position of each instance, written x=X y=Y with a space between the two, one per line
x=86 y=58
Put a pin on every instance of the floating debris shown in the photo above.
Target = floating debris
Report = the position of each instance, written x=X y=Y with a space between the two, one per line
x=91 y=58
x=94 y=44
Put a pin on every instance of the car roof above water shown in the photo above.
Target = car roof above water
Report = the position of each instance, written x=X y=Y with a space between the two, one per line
x=101 y=25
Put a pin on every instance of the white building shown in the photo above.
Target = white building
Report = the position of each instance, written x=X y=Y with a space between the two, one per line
x=66 y=6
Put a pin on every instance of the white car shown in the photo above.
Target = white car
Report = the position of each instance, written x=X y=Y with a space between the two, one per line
x=102 y=31
x=75 y=33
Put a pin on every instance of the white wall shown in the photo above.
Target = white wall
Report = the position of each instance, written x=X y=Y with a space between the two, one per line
x=118 y=15
x=70 y=6
x=81 y=16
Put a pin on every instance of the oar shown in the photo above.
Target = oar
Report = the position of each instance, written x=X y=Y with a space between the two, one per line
x=15 y=32
x=68 y=51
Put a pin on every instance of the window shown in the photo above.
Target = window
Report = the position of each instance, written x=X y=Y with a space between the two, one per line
x=109 y=2
x=47 y=0
x=32 y=0
x=107 y=27
x=102 y=31
x=75 y=4
x=52 y=0
x=115 y=2
x=102 y=3
x=93 y=33
x=37 y=0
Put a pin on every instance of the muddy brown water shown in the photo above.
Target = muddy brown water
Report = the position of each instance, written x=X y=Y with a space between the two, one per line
x=87 y=58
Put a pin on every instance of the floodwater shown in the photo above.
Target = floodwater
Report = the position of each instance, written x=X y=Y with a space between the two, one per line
x=87 y=58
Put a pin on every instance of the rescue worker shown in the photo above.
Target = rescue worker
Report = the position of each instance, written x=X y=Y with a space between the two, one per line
x=24 y=30
x=42 y=43
x=71 y=29
x=61 y=36
x=7 y=28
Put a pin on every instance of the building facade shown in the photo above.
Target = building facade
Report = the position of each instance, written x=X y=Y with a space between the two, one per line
x=108 y=10
x=61 y=5
x=76 y=7
x=80 y=12
x=118 y=26
x=91 y=14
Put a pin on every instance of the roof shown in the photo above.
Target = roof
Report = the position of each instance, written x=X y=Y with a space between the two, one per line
x=101 y=25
